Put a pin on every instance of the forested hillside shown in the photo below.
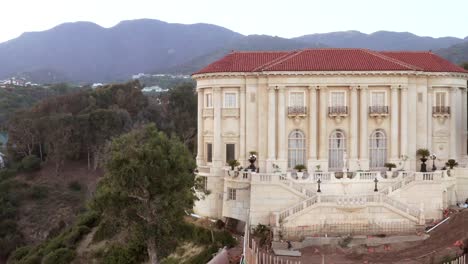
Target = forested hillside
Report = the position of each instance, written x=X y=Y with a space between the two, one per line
x=58 y=153
x=15 y=98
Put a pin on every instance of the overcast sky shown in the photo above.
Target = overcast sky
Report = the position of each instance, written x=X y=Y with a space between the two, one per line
x=289 y=18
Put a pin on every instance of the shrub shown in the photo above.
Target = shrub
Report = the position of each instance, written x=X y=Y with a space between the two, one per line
x=6 y=174
x=300 y=167
x=30 y=163
x=59 y=256
x=75 y=235
x=451 y=163
x=38 y=192
x=263 y=232
x=32 y=259
x=89 y=219
x=106 y=230
x=74 y=186
x=19 y=253
x=134 y=252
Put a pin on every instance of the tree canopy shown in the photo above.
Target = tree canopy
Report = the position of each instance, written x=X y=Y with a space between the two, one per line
x=149 y=183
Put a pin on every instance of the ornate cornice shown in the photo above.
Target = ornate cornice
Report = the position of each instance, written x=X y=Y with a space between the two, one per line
x=330 y=73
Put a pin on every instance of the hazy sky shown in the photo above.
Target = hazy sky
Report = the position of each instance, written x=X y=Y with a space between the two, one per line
x=289 y=18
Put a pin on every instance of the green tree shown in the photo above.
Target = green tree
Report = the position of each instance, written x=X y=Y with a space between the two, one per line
x=149 y=184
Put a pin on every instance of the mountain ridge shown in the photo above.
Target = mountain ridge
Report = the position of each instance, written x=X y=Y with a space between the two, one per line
x=87 y=52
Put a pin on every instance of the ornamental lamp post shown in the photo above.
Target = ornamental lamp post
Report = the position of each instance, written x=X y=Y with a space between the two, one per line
x=375 y=188
x=318 y=182
x=433 y=157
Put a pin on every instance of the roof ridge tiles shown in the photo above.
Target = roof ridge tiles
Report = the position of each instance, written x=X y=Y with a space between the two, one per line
x=266 y=64
x=278 y=60
x=401 y=63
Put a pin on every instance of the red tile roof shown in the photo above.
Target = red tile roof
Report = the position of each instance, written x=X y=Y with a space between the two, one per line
x=331 y=60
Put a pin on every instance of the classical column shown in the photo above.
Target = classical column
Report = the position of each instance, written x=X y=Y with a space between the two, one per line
x=271 y=126
x=404 y=122
x=242 y=140
x=322 y=126
x=363 y=131
x=394 y=142
x=354 y=137
x=200 y=145
x=453 y=122
x=312 y=123
x=282 y=138
x=217 y=139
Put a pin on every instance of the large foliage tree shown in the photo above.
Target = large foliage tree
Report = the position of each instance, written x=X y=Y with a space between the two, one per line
x=149 y=184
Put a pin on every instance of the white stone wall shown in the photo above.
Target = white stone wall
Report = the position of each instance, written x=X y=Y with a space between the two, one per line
x=257 y=125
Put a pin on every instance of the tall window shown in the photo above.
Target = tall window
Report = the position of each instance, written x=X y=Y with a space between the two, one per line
x=336 y=149
x=209 y=100
x=337 y=99
x=296 y=149
x=209 y=152
x=230 y=152
x=377 y=149
x=232 y=194
x=378 y=98
x=230 y=100
x=440 y=99
x=296 y=99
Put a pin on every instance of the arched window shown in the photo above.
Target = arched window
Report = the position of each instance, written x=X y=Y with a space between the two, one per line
x=377 y=149
x=296 y=148
x=336 y=150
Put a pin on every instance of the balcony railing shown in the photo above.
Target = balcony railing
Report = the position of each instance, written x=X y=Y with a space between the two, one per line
x=337 y=110
x=297 y=110
x=378 y=110
x=440 y=110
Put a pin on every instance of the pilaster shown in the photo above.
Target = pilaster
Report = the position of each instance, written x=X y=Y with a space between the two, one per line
x=322 y=128
x=354 y=129
x=242 y=140
x=200 y=144
x=404 y=122
x=430 y=100
x=394 y=139
x=217 y=139
x=363 y=128
x=454 y=95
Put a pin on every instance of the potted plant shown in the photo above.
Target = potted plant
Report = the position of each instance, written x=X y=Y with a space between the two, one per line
x=233 y=164
x=317 y=168
x=451 y=163
x=424 y=153
x=252 y=159
x=390 y=166
x=300 y=168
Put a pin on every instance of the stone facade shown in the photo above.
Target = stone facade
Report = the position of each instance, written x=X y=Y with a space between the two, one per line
x=331 y=122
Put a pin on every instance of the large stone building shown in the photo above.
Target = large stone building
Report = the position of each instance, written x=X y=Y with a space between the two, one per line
x=343 y=113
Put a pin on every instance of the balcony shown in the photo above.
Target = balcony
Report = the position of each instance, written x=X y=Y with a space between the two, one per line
x=378 y=110
x=294 y=111
x=230 y=113
x=340 y=111
x=441 y=111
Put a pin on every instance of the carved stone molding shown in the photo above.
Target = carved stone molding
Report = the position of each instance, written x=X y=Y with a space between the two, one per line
x=230 y=134
x=207 y=113
x=230 y=113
